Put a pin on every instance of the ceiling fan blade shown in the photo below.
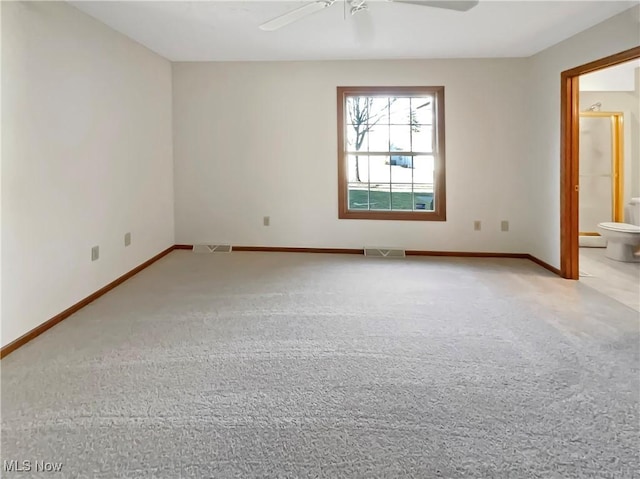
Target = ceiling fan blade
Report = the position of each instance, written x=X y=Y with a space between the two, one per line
x=294 y=15
x=459 y=5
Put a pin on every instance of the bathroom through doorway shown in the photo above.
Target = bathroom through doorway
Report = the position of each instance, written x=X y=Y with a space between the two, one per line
x=601 y=159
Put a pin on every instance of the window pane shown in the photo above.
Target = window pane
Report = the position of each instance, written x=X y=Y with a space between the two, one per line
x=402 y=171
x=401 y=196
x=401 y=183
x=423 y=197
x=422 y=138
x=380 y=196
x=348 y=109
x=363 y=110
x=400 y=138
x=422 y=110
x=380 y=170
x=355 y=109
x=357 y=138
x=358 y=169
x=379 y=138
x=399 y=113
x=358 y=196
x=423 y=169
x=378 y=111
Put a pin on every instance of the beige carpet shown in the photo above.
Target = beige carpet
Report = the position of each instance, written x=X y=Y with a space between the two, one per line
x=299 y=365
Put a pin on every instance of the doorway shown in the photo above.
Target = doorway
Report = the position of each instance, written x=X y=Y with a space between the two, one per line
x=569 y=164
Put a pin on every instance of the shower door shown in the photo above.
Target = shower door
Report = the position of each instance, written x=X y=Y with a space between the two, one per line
x=600 y=173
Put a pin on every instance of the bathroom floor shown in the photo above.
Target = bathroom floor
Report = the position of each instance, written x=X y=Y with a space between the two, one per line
x=618 y=280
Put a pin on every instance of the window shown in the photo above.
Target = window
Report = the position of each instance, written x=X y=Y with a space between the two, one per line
x=391 y=153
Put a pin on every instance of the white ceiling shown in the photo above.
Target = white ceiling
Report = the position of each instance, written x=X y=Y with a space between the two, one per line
x=222 y=31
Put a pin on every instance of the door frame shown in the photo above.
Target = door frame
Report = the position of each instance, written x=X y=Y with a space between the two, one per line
x=569 y=159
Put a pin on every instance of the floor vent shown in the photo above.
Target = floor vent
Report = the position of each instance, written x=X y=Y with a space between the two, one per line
x=212 y=248
x=384 y=252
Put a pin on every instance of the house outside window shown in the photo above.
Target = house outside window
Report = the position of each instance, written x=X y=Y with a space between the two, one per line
x=391 y=156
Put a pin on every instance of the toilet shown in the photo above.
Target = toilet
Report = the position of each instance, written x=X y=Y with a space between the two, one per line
x=623 y=239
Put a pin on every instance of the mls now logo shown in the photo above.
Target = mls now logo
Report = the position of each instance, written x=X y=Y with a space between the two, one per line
x=28 y=466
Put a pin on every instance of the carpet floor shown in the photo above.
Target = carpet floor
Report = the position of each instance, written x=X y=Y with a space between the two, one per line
x=279 y=365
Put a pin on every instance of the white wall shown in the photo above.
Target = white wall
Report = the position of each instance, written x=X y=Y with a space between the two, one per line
x=257 y=139
x=617 y=34
x=621 y=77
x=1 y=3
x=86 y=157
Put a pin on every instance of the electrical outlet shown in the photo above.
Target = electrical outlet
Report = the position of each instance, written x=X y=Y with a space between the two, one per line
x=266 y=221
x=504 y=225
x=95 y=253
x=127 y=239
x=477 y=225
